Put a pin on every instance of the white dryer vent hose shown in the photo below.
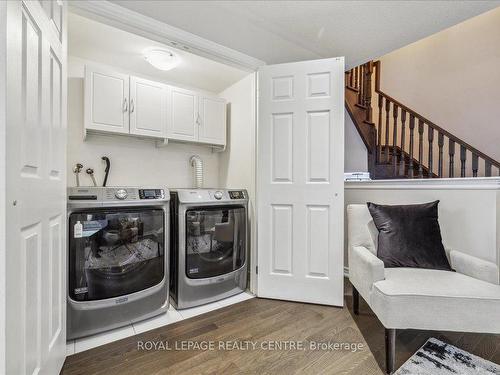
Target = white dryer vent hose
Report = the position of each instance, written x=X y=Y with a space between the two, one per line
x=197 y=165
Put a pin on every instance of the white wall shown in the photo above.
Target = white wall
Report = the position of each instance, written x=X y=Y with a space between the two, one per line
x=469 y=209
x=356 y=156
x=237 y=163
x=133 y=161
x=452 y=79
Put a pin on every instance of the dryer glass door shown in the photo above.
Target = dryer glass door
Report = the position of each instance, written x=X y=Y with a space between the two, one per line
x=115 y=252
x=215 y=241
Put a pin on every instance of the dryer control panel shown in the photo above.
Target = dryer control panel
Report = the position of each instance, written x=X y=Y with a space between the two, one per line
x=236 y=194
x=211 y=195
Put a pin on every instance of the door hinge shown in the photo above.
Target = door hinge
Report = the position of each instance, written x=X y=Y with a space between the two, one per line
x=256 y=270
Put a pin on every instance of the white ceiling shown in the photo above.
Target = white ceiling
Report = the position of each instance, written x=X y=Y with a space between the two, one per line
x=107 y=45
x=284 y=31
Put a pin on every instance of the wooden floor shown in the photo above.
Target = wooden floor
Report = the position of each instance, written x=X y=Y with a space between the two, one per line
x=261 y=321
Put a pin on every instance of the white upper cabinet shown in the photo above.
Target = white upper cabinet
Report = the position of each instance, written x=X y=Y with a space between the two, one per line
x=148 y=107
x=120 y=103
x=184 y=117
x=106 y=100
x=212 y=121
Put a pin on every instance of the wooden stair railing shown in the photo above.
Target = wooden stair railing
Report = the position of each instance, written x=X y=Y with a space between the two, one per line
x=403 y=143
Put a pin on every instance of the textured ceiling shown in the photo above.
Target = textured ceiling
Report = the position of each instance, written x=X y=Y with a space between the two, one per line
x=284 y=31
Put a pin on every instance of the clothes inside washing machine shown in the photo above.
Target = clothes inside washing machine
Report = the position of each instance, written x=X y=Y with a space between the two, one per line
x=115 y=253
x=215 y=241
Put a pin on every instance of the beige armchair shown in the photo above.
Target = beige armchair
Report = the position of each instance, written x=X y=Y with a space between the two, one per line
x=467 y=300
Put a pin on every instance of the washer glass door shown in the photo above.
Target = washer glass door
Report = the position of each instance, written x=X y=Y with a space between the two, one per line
x=115 y=252
x=215 y=241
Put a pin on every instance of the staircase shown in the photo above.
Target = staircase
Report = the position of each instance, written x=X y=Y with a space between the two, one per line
x=402 y=143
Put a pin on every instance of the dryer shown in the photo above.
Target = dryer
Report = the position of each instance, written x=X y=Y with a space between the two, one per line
x=209 y=245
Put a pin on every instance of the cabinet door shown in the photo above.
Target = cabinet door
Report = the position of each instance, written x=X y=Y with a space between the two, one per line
x=212 y=120
x=148 y=102
x=106 y=100
x=183 y=121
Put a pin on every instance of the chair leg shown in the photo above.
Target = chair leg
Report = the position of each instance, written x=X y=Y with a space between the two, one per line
x=390 y=349
x=355 y=301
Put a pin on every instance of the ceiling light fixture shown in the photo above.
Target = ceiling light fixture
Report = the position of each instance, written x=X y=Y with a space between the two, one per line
x=162 y=59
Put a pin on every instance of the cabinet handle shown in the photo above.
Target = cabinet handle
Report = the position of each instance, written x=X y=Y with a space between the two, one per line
x=132 y=107
x=198 y=120
x=125 y=105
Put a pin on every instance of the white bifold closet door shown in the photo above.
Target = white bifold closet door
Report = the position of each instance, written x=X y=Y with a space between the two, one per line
x=300 y=166
x=34 y=338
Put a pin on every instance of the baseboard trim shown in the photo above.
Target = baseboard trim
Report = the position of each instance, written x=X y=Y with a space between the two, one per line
x=468 y=183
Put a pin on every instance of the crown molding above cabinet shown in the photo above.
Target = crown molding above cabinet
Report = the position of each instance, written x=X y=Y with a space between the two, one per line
x=128 y=20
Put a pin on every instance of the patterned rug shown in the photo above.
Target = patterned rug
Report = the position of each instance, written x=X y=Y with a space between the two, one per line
x=439 y=358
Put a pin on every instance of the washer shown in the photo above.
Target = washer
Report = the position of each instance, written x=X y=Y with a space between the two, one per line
x=209 y=240
x=118 y=250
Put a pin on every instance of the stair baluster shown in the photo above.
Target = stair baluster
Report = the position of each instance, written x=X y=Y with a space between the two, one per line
x=412 y=141
x=387 y=110
x=395 y=109
x=420 y=148
x=451 y=153
x=430 y=137
x=440 y=156
x=463 y=160
x=403 y=140
x=351 y=78
x=361 y=86
x=475 y=165
x=367 y=100
x=379 y=135
x=356 y=77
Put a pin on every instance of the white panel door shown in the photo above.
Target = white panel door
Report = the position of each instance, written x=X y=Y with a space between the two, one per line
x=35 y=194
x=148 y=107
x=300 y=166
x=106 y=100
x=184 y=117
x=212 y=120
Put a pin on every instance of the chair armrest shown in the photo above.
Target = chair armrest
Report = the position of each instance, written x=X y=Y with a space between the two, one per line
x=474 y=267
x=364 y=270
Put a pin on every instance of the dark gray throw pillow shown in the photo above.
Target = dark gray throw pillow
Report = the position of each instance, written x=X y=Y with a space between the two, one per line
x=409 y=236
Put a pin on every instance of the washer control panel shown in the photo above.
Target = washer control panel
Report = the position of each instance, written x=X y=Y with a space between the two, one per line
x=151 y=194
x=96 y=195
